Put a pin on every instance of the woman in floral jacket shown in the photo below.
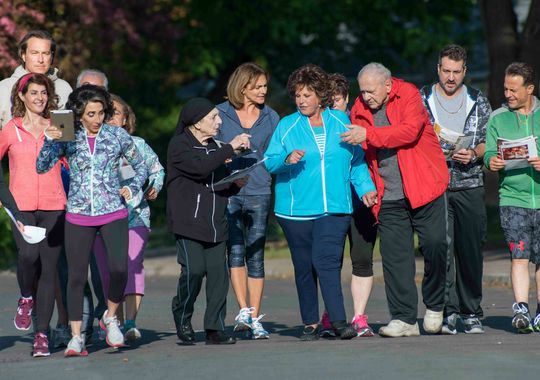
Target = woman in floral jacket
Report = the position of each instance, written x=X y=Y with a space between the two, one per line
x=139 y=218
x=96 y=203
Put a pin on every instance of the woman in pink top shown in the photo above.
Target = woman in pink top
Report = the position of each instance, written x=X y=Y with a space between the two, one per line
x=39 y=197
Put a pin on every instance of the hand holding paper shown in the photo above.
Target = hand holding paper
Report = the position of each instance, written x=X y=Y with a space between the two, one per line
x=30 y=234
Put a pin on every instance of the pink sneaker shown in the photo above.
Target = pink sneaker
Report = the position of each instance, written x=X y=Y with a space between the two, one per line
x=41 y=345
x=23 y=318
x=327 y=329
x=359 y=323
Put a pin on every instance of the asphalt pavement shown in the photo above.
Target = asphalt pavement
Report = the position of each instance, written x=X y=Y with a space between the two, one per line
x=497 y=354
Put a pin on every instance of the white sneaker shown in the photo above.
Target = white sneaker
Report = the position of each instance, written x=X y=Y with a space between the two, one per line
x=257 y=328
x=76 y=347
x=433 y=321
x=397 y=328
x=243 y=319
x=114 y=337
x=133 y=334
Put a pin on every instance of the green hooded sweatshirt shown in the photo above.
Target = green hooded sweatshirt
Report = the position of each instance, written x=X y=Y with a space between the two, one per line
x=517 y=187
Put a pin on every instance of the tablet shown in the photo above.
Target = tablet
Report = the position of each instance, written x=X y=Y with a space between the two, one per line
x=65 y=122
x=238 y=174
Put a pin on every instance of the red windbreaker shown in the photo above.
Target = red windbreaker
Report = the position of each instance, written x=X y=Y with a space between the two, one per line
x=421 y=162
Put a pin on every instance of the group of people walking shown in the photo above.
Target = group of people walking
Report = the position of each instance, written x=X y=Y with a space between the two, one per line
x=399 y=162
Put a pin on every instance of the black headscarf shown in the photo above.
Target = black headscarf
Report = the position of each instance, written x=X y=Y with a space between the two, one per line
x=192 y=112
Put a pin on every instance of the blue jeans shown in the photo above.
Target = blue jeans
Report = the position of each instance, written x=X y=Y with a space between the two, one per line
x=248 y=217
x=317 y=253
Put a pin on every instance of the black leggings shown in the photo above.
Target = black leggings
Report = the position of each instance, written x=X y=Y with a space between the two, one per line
x=79 y=243
x=38 y=261
x=362 y=237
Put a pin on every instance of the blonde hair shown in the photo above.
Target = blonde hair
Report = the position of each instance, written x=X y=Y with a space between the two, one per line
x=244 y=75
x=131 y=120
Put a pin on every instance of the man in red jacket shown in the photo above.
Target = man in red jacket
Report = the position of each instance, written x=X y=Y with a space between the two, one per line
x=409 y=171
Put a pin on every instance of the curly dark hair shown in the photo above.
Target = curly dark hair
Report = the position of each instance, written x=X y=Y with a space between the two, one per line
x=341 y=84
x=88 y=93
x=18 y=109
x=314 y=78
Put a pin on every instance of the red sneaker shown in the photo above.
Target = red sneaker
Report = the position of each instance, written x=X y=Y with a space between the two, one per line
x=359 y=323
x=41 y=345
x=23 y=318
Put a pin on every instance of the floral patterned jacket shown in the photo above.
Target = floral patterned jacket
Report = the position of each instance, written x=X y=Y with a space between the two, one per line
x=139 y=210
x=94 y=183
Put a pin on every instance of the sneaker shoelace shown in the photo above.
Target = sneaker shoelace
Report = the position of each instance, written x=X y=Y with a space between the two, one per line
x=256 y=322
x=245 y=313
x=25 y=307
x=517 y=308
x=112 y=321
x=41 y=341
x=536 y=321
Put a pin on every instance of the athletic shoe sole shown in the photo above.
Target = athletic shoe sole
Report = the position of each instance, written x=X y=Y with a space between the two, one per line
x=241 y=326
x=21 y=328
x=475 y=330
x=365 y=333
x=41 y=354
x=73 y=353
x=448 y=331
x=525 y=330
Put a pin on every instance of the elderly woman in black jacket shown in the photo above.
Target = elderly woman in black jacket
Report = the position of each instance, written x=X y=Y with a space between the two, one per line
x=196 y=215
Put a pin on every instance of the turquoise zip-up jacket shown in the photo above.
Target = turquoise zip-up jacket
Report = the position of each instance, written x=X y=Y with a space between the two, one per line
x=139 y=210
x=320 y=183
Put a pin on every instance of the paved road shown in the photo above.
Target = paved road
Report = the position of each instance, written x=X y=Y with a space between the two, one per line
x=498 y=354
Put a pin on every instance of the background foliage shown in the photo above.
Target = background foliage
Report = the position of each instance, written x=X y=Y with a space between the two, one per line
x=157 y=53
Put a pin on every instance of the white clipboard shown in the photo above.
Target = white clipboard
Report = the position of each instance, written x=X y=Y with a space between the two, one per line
x=238 y=174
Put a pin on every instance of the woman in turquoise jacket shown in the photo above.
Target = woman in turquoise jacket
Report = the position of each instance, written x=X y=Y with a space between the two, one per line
x=313 y=197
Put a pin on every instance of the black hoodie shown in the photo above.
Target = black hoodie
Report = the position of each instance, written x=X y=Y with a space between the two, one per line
x=195 y=207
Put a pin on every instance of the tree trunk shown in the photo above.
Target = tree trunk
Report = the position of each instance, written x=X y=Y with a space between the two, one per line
x=529 y=50
x=502 y=40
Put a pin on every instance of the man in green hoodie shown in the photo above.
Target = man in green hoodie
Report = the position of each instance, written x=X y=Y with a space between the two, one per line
x=519 y=189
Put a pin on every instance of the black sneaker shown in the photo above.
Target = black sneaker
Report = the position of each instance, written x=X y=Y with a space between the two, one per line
x=473 y=325
x=449 y=324
x=310 y=333
x=186 y=334
x=522 y=319
x=344 y=330
x=219 y=337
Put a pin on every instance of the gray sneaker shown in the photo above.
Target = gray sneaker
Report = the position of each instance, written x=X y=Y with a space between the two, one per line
x=76 y=347
x=473 y=325
x=449 y=324
x=61 y=336
x=114 y=337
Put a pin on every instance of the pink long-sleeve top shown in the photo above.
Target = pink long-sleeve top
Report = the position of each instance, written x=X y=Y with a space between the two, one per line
x=32 y=191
